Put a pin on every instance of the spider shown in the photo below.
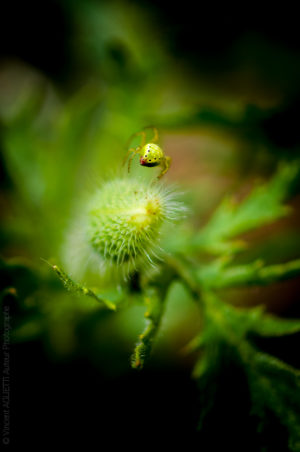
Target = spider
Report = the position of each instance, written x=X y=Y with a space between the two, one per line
x=150 y=153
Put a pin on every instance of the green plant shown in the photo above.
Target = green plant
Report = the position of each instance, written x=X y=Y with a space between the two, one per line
x=127 y=216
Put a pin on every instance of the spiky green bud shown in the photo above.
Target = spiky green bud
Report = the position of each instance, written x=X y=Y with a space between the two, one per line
x=126 y=217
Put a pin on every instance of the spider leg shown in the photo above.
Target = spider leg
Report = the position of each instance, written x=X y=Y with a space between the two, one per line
x=155 y=136
x=134 y=151
x=143 y=139
x=130 y=150
x=166 y=163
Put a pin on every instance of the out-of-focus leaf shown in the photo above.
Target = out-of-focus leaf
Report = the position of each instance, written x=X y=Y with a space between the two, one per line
x=216 y=275
x=273 y=385
x=262 y=206
x=269 y=325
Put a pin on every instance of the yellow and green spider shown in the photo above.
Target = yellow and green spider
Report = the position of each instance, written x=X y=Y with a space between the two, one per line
x=150 y=153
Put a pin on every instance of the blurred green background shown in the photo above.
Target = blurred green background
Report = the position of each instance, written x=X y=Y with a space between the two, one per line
x=77 y=78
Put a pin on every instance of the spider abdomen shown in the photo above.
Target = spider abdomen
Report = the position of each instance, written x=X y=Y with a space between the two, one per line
x=151 y=155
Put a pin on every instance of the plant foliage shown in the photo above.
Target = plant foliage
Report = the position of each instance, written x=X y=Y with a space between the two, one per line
x=273 y=384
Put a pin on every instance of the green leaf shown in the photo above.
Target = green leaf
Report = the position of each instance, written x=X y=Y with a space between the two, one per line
x=264 y=324
x=275 y=386
x=240 y=322
x=215 y=275
x=262 y=206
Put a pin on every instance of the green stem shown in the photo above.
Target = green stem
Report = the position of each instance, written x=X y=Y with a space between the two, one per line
x=153 y=315
x=183 y=271
x=78 y=289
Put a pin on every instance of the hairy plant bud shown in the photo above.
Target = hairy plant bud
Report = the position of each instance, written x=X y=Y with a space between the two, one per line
x=126 y=217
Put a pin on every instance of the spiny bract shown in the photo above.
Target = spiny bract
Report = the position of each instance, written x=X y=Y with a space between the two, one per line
x=125 y=220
